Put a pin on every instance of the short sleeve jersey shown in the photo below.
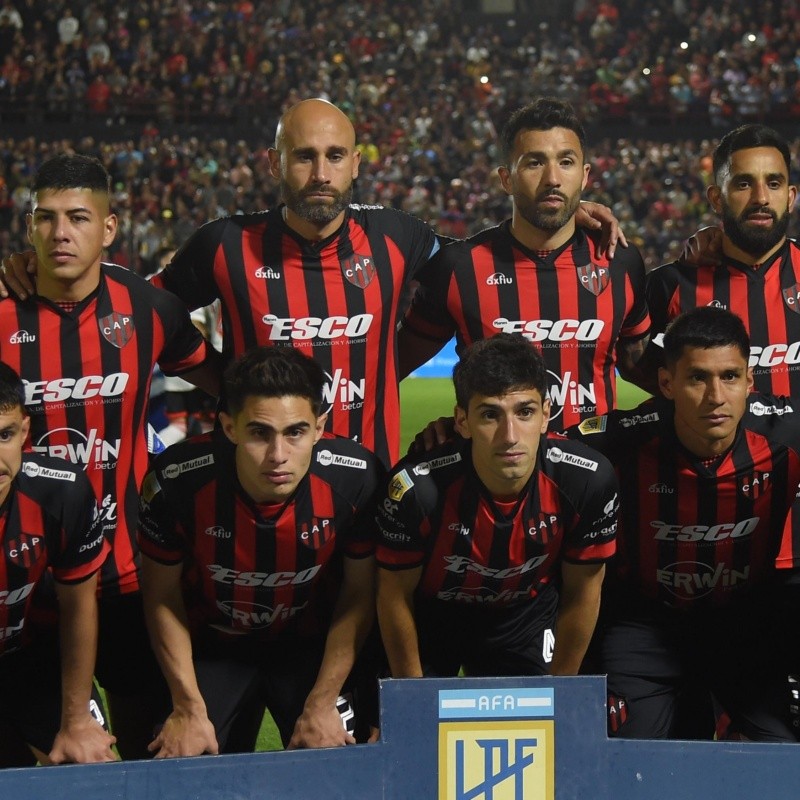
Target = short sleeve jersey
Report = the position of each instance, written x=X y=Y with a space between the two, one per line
x=253 y=568
x=49 y=520
x=87 y=379
x=574 y=304
x=694 y=534
x=767 y=298
x=338 y=300
x=437 y=514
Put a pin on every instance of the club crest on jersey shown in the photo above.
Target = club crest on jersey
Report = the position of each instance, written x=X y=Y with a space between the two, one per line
x=359 y=270
x=117 y=328
x=316 y=533
x=593 y=277
x=24 y=549
x=791 y=296
x=754 y=485
x=545 y=528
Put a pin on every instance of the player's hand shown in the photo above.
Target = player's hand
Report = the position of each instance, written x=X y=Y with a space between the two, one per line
x=320 y=726
x=185 y=734
x=435 y=433
x=704 y=248
x=84 y=741
x=596 y=216
x=18 y=274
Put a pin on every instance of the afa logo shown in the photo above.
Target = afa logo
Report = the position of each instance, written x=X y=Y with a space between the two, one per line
x=506 y=751
x=358 y=270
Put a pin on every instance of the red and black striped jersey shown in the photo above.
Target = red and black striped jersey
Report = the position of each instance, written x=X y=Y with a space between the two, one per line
x=49 y=519
x=87 y=382
x=693 y=535
x=767 y=298
x=252 y=568
x=437 y=514
x=338 y=300
x=575 y=304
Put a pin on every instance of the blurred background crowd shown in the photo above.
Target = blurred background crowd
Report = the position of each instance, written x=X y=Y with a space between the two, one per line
x=180 y=100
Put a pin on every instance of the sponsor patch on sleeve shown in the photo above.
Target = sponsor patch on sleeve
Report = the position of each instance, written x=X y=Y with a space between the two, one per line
x=593 y=425
x=150 y=487
x=399 y=485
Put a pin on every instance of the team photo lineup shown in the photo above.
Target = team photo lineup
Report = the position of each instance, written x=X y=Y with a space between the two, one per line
x=208 y=511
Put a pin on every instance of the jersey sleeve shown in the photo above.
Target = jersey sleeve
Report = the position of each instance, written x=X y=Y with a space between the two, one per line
x=159 y=530
x=420 y=246
x=84 y=548
x=184 y=346
x=360 y=540
x=190 y=274
x=401 y=543
x=593 y=535
x=428 y=315
x=637 y=321
x=660 y=289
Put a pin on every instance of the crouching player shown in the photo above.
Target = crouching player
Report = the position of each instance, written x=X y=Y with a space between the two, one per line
x=258 y=567
x=48 y=518
x=705 y=488
x=492 y=549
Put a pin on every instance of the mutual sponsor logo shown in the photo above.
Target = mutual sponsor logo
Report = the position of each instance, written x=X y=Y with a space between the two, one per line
x=254 y=615
x=499 y=279
x=271 y=580
x=316 y=532
x=691 y=580
x=559 y=456
x=660 y=488
x=791 y=296
x=758 y=409
x=496 y=744
x=638 y=419
x=665 y=532
x=116 y=328
x=327 y=459
x=773 y=355
x=462 y=564
x=218 y=532
x=340 y=390
x=24 y=549
x=559 y=330
x=755 y=484
x=593 y=425
x=399 y=485
x=33 y=470
x=79 y=447
x=22 y=337
x=594 y=278
x=358 y=270
x=267 y=273
x=85 y=388
x=285 y=329
x=564 y=392
x=173 y=470
x=11 y=597
x=424 y=467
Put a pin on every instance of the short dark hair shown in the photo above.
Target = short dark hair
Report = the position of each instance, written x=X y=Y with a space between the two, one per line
x=72 y=171
x=746 y=137
x=542 y=114
x=12 y=390
x=498 y=365
x=705 y=327
x=274 y=372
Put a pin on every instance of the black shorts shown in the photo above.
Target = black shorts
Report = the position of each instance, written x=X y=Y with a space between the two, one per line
x=656 y=657
x=240 y=676
x=508 y=640
x=30 y=695
x=126 y=664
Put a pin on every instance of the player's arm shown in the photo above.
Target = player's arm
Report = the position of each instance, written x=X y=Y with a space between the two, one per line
x=80 y=739
x=18 y=274
x=578 y=607
x=629 y=356
x=396 y=618
x=208 y=376
x=320 y=724
x=703 y=248
x=595 y=216
x=414 y=350
x=187 y=731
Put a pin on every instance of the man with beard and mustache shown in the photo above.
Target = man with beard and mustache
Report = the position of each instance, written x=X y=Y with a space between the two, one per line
x=758 y=275
x=539 y=275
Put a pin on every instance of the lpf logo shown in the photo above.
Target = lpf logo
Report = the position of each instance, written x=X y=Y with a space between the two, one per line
x=496 y=745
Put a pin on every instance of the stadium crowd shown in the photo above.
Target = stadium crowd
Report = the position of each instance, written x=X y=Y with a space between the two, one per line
x=428 y=90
